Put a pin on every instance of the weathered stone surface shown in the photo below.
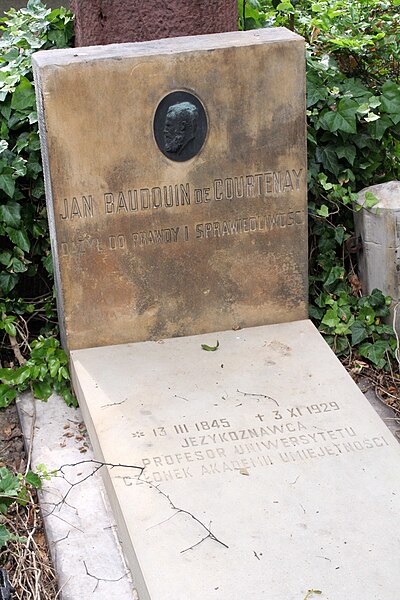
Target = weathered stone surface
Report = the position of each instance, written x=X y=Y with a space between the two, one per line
x=79 y=544
x=146 y=247
x=378 y=238
x=266 y=441
x=116 y=21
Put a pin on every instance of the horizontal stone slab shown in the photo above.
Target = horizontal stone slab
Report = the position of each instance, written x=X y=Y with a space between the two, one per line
x=266 y=473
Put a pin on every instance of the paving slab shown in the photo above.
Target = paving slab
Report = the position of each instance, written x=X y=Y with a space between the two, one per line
x=265 y=470
x=80 y=531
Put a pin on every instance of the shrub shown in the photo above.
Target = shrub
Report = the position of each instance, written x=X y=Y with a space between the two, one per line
x=353 y=109
x=27 y=306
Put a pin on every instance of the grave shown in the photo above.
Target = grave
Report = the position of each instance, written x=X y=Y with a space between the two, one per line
x=241 y=457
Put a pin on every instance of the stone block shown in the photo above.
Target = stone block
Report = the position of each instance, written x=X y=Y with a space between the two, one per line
x=117 y=21
x=378 y=238
x=176 y=184
x=266 y=473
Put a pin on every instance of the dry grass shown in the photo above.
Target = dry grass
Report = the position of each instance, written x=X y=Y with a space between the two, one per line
x=386 y=386
x=27 y=562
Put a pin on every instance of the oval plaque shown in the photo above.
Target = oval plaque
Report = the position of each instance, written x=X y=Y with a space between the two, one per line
x=180 y=126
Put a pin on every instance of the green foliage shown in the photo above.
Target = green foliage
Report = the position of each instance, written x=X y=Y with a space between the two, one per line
x=45 y=371
x=25 y=256
x=353 y=133
x=353 y=109
x=15 y=488
x=23 y=225
x=347 y=319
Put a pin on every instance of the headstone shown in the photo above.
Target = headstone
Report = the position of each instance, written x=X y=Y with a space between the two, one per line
x=117 y=21
x=241 y=458
x=176 y=185
x=378 y=239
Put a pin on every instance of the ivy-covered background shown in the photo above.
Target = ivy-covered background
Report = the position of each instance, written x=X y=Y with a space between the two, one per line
x=30 y=352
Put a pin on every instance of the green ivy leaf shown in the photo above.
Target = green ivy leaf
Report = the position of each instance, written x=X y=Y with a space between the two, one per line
x=331 y=318
x=19 y=237
x=343 y=118
x=48 y=263
x=5 y=258
x=370 y=200
x=348 y=152
x=358 y=332
x=390 y=100
x=323 y=211
x=17 y=266
x=24 y=95
x=34 y=480
x=10 y=213
x=10 y=329
x=375 y=352
x=343 y=328
x=315 y=312
x=7 y=184
x=335 y=274
x=8 y=281
x=69 y=398
x=367 y=314
x=339 y=234
x=315 y=92
x=378 y=128
x=42 y=390
x=7 y=395
x=54 y=365
x=6 y=536
x=328 y=157
x=376 y=298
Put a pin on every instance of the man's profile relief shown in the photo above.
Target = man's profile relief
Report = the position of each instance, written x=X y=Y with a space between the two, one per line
x=180 y=126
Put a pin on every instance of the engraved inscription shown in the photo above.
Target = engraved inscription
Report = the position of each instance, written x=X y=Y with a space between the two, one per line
x=233 y=188
x=157 y=236
x=214 y=446
x=248 y=225
x=77 y=208
x=185 y=233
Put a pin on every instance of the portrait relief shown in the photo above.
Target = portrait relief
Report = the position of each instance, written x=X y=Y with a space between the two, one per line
x=180 y=126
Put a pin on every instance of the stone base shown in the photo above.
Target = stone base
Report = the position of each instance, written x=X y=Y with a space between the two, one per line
x=266 y=443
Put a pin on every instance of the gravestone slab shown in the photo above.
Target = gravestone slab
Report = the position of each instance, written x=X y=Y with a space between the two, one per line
x=266 y=443
x=176 y=184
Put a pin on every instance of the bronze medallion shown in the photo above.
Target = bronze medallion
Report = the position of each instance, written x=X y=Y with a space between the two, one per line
x=180 y=126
